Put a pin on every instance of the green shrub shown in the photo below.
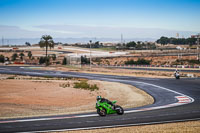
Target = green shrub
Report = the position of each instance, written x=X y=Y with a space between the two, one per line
x=43 y=60
x=53 y=56
x=143 y=62
x=85 y=60
x=84 y=85
x=64 y=62
x=11 y=77
x=138 y=62
x=29 y=54
x=94 y=87
x=64 y=85
x=2 y=59
x=194 y=61
x=14 y=56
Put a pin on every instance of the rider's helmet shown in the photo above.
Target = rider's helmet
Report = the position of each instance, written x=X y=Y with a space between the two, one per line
x=177 y=71
x=98 y=98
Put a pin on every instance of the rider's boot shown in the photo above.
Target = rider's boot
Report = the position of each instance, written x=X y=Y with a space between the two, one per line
x=113 y=107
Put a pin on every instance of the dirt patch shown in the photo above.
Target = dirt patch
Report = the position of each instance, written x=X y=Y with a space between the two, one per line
x=23 y=98
x=180 y=127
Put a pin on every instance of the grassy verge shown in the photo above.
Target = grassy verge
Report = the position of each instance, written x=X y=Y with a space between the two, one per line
x=21 y=77
x=106 y=49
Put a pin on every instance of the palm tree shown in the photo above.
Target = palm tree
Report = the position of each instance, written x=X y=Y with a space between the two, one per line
x=46 y=41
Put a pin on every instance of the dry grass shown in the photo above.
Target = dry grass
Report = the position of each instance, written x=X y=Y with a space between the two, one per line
x=179 y=127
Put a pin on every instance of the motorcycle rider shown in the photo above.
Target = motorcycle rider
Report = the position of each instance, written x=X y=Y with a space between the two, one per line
x=100 y=99
x=176 y=73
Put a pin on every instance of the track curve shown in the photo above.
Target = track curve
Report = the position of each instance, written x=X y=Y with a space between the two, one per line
x=175 y=100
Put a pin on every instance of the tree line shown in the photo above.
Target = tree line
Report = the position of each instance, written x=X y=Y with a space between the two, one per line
x=139 y=45
x=177 y=41
x=96 y=44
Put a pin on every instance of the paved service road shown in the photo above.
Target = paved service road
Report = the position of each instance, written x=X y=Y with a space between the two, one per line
x=175 y=100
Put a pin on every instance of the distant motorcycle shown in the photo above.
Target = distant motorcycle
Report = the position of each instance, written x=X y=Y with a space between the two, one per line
x=177 y=75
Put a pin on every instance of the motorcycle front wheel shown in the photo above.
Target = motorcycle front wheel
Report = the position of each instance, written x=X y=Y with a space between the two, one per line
x=120 y=110
x=101 y=112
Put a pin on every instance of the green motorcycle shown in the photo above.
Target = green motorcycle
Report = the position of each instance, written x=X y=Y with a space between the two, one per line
x=103 y=108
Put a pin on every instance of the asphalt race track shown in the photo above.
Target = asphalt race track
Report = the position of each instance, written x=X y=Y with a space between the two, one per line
x=175 y=100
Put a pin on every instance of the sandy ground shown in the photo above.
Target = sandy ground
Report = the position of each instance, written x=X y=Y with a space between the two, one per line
x=24 y=97
x=179 y=127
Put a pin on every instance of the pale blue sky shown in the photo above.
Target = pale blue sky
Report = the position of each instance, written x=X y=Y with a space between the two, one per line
x=100 y=18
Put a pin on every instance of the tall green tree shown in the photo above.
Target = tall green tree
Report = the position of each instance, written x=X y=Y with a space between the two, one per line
x=21 y=56
x=53 y=56
x=163 y=40
x=84 y=60
x=29 y=54
x=131 y=44
x=27 y=44
x=64 y=62
x=47 y=42
x=14 y=56
x=2 y=59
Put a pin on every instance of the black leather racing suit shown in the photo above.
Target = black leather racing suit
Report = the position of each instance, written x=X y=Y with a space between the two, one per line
x=107 y=101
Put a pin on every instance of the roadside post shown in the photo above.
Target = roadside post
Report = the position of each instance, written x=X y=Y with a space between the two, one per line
x=90 y=54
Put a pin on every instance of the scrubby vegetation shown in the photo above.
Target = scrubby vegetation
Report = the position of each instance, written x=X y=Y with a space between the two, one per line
x=138 y=62
x=29 y=54
x=11 y=77
x=64 y=85
x=14 y=56
x=85 y=60
x=189 y=62
x=2 y=59
x=84 y=85
x=43 y=60
x=64 y=62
